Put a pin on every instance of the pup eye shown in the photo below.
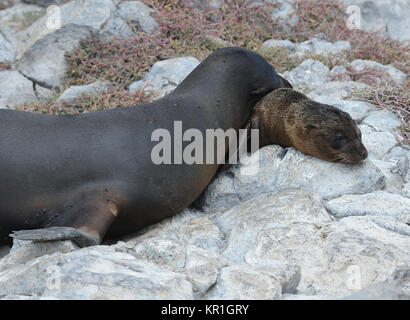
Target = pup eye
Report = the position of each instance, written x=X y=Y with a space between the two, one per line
x=339 y=136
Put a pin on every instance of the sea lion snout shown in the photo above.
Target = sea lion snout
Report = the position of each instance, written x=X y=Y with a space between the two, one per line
x=361 y=152
x=354 y=154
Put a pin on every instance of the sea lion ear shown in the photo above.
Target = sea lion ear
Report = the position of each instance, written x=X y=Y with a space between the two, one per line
x=260 y=91
x=285 y=83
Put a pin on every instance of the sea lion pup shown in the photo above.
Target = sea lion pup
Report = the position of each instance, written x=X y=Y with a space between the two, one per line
x=81 y=177
x=289 y=118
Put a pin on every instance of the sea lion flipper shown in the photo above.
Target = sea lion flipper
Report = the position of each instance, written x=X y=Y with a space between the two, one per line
x=83 y=229
x=56 y=234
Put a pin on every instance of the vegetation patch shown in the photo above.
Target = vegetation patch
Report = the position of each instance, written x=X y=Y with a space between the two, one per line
x=386 y=95
x=5 y=66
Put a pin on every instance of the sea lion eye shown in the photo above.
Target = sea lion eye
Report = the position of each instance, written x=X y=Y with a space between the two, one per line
x=339 y=136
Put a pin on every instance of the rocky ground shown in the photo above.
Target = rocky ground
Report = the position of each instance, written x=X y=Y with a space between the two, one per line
x=300 y=228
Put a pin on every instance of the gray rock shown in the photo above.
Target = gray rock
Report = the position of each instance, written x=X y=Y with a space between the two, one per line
x=202 y=233
x=273 y=44
x=261 y=283
x=44 y=62
x=87 y=13
x=202 y=269
x=379 y=203
x=93 y=273
x=405 y=192
x=382 y=120
x=7 y=44
x=386 y=229
x=322 y=97
x=243 y=223
x=358 y=110
x=131 y=16
x=15 y=89
x=91 y=13
x=278 y=171
x=309 y=74
x=398 y=76
x=398 y=152
x=165 y=75
x=285 y=12
x=394 y=171
x=396 y=287
x=314 y=46
x=71 y=95
x=336 y=90
x=12 y=17
x=335 y=260
x=23 y=252
x=44 y=94
x=378 y=143
x=220 y=196
x=168 y=245
x=321 y=47
x=166 y=229
x=163 y=252
x=389 y=16
x=389 y=223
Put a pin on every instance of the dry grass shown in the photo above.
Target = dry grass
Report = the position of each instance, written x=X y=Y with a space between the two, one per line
x=385 y=94
x=5 y=66
x=4 y=4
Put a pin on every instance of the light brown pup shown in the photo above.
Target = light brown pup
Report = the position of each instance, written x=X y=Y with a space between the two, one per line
x=289 y=118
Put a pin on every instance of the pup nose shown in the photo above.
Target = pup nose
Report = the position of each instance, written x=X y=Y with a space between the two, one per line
x=364 y=154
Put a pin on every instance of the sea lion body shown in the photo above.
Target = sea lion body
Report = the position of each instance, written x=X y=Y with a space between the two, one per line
x=289 y=118
x=80 y=176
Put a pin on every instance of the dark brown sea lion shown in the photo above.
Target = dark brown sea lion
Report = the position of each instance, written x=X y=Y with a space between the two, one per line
x=289 y=118
x=79 y=177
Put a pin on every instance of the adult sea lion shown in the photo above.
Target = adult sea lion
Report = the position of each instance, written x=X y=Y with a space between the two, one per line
x=81 y=176
x=289 y=118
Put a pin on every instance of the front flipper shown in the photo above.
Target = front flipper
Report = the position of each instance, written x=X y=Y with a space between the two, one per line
x=85 y=223
x=55 y=234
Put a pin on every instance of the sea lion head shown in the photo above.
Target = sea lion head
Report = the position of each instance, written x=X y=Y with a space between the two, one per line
x=290 y=118
x=329 y=134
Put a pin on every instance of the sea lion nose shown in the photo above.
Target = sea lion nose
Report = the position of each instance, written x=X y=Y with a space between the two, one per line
x=364 y=154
